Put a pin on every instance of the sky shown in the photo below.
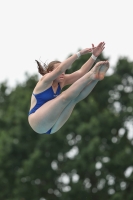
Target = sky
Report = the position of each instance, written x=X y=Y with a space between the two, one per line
x=53 y=29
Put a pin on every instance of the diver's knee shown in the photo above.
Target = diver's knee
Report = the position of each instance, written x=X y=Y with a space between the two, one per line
x=65 y=98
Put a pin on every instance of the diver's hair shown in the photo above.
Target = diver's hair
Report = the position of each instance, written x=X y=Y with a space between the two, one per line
x=44 y=69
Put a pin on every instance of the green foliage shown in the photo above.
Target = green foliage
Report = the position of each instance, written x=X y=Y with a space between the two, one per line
x=86 y=159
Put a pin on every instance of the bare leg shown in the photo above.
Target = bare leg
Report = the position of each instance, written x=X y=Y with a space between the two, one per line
x=83 y=94
x=46 y=116
x=69 y=108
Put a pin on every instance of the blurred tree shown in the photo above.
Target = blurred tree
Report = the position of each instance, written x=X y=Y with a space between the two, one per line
x=90 y=157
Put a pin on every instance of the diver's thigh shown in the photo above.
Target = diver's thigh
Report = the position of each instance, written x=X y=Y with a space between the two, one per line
x=46 y=116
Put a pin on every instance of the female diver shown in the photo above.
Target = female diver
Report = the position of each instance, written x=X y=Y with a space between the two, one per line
x=50 y=109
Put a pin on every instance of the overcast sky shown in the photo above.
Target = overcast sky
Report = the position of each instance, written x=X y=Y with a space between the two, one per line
x=54 y=29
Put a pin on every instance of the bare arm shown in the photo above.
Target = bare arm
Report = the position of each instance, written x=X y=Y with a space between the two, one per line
x=71 y=78
x=63 y=66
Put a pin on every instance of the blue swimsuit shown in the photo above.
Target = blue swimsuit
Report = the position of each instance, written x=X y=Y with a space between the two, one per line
x=43 y=97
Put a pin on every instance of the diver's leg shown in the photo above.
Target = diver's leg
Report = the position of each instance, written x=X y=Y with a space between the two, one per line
x=69 y=108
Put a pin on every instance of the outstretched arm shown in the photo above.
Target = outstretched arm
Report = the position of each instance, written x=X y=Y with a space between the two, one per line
x=96 y=52
x=65 y=65
x=71 y=78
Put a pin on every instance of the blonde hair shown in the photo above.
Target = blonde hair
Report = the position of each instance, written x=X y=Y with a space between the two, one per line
x=46 y=68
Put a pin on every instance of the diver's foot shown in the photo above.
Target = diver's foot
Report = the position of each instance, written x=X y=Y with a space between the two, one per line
x=99 y=70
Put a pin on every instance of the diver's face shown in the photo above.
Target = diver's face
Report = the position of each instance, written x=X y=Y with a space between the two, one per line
x=61 y=77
